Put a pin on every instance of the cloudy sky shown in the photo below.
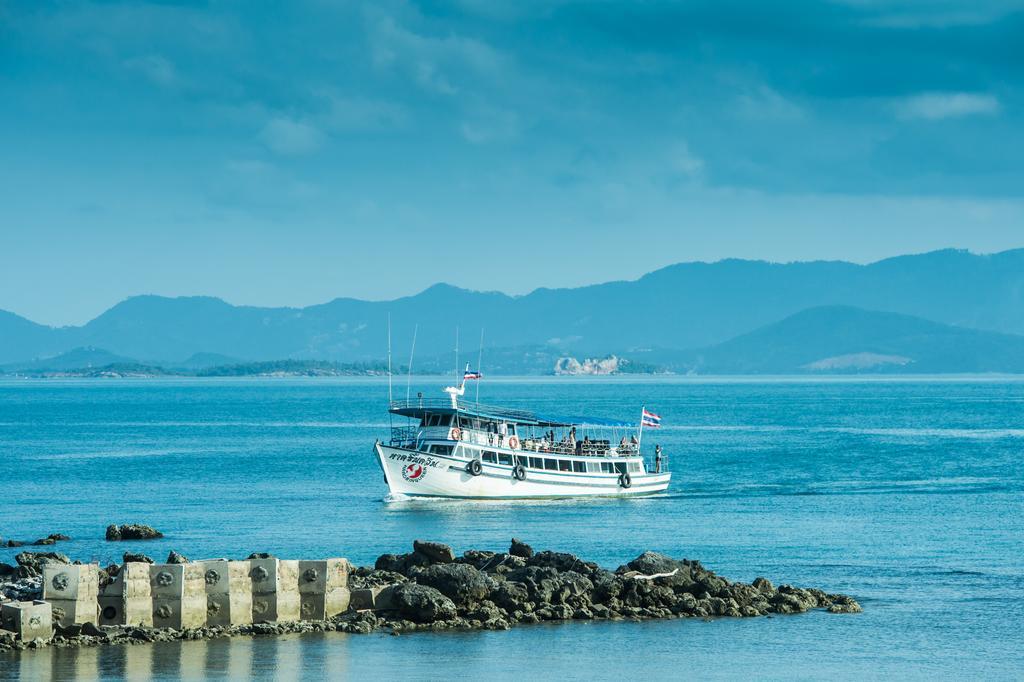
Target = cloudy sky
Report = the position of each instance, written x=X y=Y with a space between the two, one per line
x=291 y=155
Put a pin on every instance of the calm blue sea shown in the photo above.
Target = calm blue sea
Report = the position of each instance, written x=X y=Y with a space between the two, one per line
x=907 y=494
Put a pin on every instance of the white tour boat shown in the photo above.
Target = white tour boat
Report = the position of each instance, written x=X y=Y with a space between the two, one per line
x=455 y=449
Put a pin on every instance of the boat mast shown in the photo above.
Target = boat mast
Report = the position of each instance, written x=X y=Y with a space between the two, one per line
x=480 y=364
x=412 y=351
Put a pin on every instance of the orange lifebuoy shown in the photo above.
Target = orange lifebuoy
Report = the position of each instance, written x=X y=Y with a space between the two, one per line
x=456 y=434
x=513 y=443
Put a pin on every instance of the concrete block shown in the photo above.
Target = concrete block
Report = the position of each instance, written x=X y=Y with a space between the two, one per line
x=378 y=598
x=127 y=599
x=228 y=592
x=179 y=595
x=275 y=590
x=323 y=588
x=183 y=613
x=314 y=606
x=74 y=611
x=319 y=576
x=177 y=580
x=70 y=581
x=28 y=620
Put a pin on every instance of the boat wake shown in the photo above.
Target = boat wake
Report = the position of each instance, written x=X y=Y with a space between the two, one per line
x=396 y=497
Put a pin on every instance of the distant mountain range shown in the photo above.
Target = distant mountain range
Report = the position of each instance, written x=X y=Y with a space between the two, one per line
x=945 y=311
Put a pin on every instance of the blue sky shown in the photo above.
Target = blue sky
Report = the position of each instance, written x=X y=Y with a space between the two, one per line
x=290 y=154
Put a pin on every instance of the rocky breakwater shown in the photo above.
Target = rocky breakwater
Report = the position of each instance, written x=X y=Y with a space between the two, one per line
x=431 y=588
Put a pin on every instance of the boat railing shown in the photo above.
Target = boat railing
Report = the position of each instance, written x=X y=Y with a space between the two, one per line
x=403 y=435
x=651 y=464
x=464 y=406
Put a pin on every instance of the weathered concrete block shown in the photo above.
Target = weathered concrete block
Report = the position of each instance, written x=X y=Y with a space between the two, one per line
x=179 y=595
x=323 y=588
x=177 y=580
x=275 y=590
x=70 y=581
x=127 y=599
x=183 y=613
x=28 y=620
x=228 y=592
x=378 y=598
x=74 y=611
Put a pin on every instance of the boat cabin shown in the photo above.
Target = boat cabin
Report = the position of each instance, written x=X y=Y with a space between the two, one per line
x=501 y=436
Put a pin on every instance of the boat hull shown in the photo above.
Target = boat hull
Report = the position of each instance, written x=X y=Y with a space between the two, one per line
x=418 y=474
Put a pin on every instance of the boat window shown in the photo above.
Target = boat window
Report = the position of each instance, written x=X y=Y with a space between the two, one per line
x=504 y=458
x=594 y=467
x=606 y=467
x=551 y=464
x=441 y=449
x=634 y=467
x=579 y=467
x=464 y=422
x=424 y=446
x=537 y=462
x=620 y=467
x=444 y=419
x=511 y=429
x=564 y=465
x=489 y=456
x=520 y=459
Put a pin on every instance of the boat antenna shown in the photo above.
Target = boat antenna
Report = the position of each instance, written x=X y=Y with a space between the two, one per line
x=480 y=363
x=412 y=351
x=389 y=359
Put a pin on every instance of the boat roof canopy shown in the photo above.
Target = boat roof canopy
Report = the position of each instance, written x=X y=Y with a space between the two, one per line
x=417 y=410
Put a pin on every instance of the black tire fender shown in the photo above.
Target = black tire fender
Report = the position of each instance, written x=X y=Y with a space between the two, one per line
x=624 y=480
x=474 y=467
x=519 y=472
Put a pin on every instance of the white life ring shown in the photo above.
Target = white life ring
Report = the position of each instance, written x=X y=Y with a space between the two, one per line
x=456 y=433
x=513 y=443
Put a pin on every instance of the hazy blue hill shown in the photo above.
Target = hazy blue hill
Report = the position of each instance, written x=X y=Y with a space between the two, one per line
x=833 y=339
x=689 y=305
x=76 y=358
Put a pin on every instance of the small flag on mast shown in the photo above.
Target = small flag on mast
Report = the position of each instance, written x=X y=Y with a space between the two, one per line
x=472 y=374
x=651 y=420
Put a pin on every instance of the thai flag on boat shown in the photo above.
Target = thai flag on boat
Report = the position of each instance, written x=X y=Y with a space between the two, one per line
x=651 y=420
x=472 y=374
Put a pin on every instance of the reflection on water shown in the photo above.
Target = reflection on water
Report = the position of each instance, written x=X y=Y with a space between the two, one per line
x=236 y=658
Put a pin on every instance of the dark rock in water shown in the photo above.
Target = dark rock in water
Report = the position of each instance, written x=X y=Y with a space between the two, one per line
x=401 y=563
x=91 y=630
x=843 y=604
x=175 y=558
x=364 y=577
x=422 y=604
x=132 y=531
x=6 y=570
x=45 y=541
x=764 y=586
x=683 y=573
x=461 y=583
x=261 y=555
x=435 y=552
x=31 y=563
x=136 y=557
x=562 y=561
x=520 y=548
x=59 y=537
x=15 y=543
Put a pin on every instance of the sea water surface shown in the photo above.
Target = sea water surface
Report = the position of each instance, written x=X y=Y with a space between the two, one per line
x=905 y=493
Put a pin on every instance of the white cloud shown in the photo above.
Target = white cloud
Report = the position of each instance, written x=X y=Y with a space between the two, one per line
x=685 y=162
x=939 y=105
x=430 y=60
x=158 y=69
x=354 y=113
x=290 y=137
x=490 y=126
x=763 y=102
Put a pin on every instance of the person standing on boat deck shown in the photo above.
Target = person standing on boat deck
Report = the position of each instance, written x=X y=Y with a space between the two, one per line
x=622 y=444
x=657 y=459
